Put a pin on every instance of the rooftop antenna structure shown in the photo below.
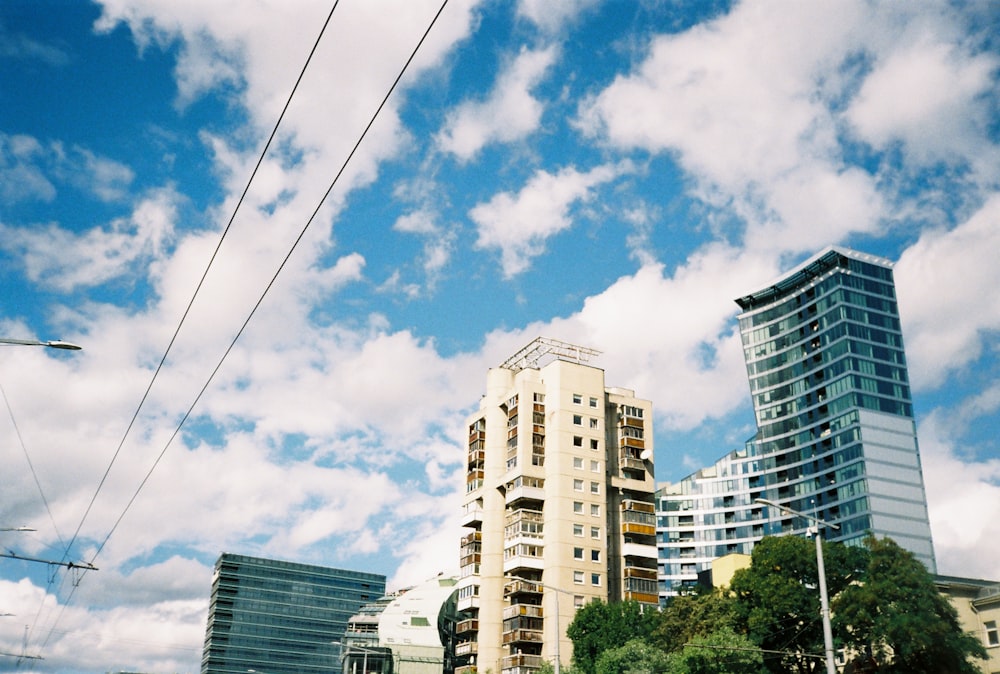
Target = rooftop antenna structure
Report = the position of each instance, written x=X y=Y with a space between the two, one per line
x=531 y=355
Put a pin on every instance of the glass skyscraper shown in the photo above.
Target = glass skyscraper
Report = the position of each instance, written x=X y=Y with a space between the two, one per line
x=281 y=617
x=836 y=435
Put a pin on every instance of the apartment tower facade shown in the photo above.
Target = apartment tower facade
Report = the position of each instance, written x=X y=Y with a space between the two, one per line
x=559 y=507
x=836 y=435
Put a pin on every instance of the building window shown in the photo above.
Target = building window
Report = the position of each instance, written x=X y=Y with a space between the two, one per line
x=578 y=530
x=577 y=485
x=992 y=635
x=593 y=402
x=578 y=577
x=577 y=441
x=593 y=422
x=577 y=553
x=595 y=510
x=595 y=487
x=578 y=463
x=595 y=579
x=595 y=533
x=593 y=443
x=577 y=399
x=578 y=420
x=577 y=601
x=595 y=555
x=578 y=507
x=595 y=466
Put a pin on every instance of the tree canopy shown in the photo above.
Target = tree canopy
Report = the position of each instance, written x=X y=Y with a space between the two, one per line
x=896 y=619
x=777 y=598
x=886 y=613
x=599 y=626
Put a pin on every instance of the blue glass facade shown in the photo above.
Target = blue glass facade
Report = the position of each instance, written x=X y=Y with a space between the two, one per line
x=836 y=436
x=281 y=617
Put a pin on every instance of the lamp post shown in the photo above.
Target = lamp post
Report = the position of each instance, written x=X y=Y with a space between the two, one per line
x=52 y=343
x=824 y=599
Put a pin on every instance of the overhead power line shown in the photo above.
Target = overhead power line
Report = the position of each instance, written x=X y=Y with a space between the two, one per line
x=187 y=310
x=260 y=299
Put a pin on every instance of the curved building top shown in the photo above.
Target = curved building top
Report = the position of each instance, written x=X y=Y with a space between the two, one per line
x=807 y=273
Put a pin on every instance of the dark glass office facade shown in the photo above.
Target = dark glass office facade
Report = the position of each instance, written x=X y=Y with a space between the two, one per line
x=836 y=435
x=280 y=617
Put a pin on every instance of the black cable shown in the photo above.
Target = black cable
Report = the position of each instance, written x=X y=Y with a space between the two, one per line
x=201 y=281
x=270 y=284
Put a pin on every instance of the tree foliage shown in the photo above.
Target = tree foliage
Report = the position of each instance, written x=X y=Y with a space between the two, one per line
x=635 y=657
x=777 y=598
x=599 y=626
x=896 y=619
x=688 y=616
x=722 y=652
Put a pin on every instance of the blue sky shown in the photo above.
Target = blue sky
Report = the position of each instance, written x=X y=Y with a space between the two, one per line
x=608 y=174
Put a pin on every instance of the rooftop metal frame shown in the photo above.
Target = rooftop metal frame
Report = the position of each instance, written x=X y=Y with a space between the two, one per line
x=538 y=348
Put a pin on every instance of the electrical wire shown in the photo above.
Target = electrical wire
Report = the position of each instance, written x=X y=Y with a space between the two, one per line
x=270 y=284
x=260 y=160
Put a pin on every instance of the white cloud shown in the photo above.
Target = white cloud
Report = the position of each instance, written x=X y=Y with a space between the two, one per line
x=963 y=497
x=519 y=224
x=946 y=322
x=943 y=118
x=551 y=15
x=509 y=113
x=100 y=254
x=21 y=176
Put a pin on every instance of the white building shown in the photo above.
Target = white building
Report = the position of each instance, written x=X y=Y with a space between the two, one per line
x=559 y=507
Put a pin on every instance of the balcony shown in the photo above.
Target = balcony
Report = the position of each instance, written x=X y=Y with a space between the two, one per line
x=640 y=572
x=467 y=648
x=522 y=636
x=467 y=626
x=468 y=603
x=521 y=660
x=473 y=515
x=520 y=492
x=642 y=597
x=639 y=550
x=528 y=610
x=516 y=586
x=525 y=562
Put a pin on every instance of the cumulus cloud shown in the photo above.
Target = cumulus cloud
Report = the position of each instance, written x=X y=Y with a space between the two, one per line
x=507 y=114
x=943 y=86
x=519 y=224
x=946 y=326
x=61 y=259
x=963 y=494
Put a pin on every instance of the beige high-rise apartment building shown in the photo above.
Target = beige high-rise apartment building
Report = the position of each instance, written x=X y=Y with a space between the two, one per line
x=559 y=507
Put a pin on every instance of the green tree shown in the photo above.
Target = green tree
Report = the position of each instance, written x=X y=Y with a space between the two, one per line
x=688 y=616
x=777 y=598
x=896 y=618
x=634 y=657
x=599 y=626
x=722 y=652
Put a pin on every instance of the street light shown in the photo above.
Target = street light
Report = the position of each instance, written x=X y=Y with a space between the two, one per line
x=824 y=599
x=52 y=343
x=17 y=529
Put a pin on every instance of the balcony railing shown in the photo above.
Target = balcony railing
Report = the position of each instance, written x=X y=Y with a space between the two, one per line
x=467 y=626
x=515 y=610
x=521 y=636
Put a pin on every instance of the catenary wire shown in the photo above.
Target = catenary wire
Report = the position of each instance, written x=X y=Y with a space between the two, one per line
x=270 y=284
x=260 y=160
x=201 y=281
